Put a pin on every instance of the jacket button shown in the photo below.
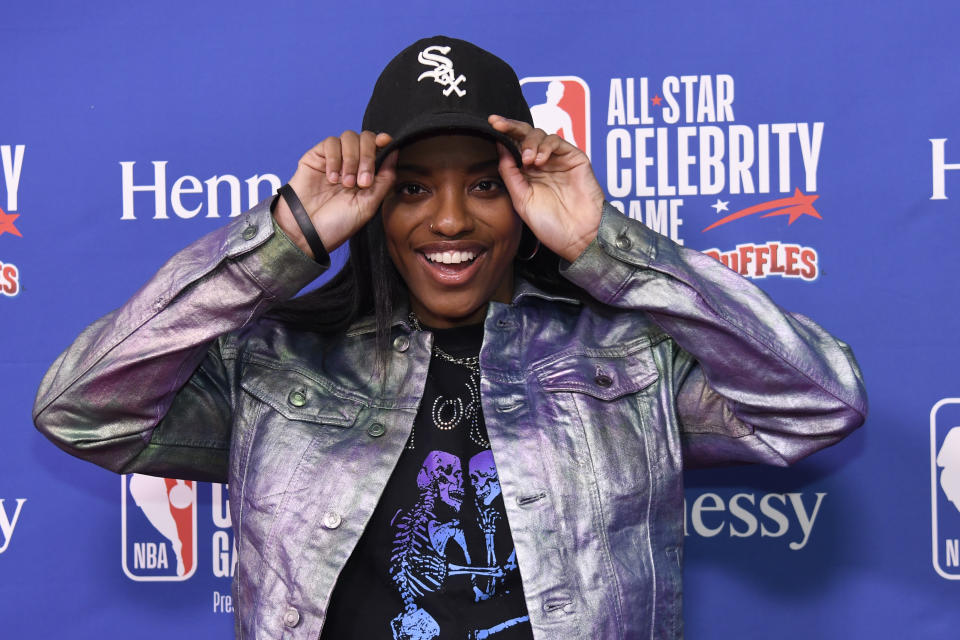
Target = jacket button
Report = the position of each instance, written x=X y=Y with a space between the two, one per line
x=331 y=520
x=297 y=398
x=603 y=380
x=623 y=242
x=401 y=343
x=250 y=232
x=376 y=430
x=291 y=617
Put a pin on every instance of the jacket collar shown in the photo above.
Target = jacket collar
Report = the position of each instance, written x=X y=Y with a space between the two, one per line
x=525 y=289
x=368 y=324
x=401 y=314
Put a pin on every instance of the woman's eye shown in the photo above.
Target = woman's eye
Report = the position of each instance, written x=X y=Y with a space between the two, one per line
x=410 y=189
x=488 y=185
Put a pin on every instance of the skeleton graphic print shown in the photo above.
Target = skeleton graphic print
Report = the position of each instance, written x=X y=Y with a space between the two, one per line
x=422 y=560
x=437 y=559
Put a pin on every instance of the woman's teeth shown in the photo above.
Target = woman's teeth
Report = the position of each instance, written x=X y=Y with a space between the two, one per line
x=451 y=257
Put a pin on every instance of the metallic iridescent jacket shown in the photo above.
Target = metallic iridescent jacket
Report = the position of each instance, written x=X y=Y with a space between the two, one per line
x=592 y=408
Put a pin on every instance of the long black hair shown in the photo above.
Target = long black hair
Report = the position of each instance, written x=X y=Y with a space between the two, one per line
x=370 y=285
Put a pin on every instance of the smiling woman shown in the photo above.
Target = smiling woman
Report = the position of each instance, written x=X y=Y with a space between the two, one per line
x=451 y=229
x=471 y=443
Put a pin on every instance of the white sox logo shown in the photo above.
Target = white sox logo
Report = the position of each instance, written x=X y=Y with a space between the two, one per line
x=442 y=72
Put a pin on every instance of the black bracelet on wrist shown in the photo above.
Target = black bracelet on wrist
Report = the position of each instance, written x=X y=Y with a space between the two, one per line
x=320 y=254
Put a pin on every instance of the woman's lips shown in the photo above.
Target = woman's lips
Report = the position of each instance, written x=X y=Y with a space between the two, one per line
x=452 y=274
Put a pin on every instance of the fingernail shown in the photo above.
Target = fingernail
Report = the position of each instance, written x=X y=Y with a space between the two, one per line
x=333 y=176
x=528 y=154
x=365 y=179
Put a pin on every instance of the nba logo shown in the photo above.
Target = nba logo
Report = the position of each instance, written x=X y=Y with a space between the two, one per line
x=560 y=105
x=945 y=486
x=159 y=528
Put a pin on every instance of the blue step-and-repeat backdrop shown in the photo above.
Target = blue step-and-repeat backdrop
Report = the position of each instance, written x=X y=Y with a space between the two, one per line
x=812 y=146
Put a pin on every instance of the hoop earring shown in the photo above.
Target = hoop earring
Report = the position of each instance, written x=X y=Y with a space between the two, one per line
x=536 y=248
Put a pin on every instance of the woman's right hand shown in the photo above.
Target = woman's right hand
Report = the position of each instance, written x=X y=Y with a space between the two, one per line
x=336 y=184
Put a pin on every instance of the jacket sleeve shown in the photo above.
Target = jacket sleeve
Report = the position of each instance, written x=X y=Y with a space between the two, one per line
x=147 y=388
x=752 y=383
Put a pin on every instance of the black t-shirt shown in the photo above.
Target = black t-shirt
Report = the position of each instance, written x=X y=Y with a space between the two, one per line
x=437 y=559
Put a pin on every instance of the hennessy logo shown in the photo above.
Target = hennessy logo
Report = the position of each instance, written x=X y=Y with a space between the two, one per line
x=8 y=523
x=442 y=72
x=940 y=168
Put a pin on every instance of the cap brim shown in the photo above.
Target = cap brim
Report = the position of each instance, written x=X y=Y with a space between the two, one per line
x=450 y=123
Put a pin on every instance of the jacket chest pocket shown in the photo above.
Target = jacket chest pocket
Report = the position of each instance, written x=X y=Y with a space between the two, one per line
x=296 y=396
x=599 y=373
x=604 y=398
x=293 y=422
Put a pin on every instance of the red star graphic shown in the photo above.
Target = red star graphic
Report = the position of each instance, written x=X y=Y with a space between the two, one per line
x=799 y=204
x=656 y=100
x=6 y=223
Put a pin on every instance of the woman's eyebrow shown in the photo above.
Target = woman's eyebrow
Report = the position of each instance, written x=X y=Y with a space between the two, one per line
x=483 y=165
x=413 y=168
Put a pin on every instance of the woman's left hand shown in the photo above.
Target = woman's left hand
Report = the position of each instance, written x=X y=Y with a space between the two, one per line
x=555 y=191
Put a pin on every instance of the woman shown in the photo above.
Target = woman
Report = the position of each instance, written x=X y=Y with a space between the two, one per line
x=476 y=429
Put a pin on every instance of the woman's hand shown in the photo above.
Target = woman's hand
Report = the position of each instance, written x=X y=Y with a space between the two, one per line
x=337 y=186
x=555 y=191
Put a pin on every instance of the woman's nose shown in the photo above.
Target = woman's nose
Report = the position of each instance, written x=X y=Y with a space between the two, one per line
x=451 y=216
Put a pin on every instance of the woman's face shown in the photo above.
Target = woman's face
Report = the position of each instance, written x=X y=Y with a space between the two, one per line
x=451 y=229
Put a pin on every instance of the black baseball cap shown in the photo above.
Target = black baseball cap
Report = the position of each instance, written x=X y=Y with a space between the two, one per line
x=444 y=85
